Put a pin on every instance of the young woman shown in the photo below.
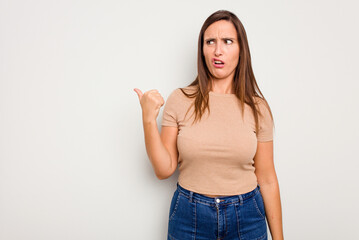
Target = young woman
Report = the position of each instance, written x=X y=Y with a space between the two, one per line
x=219 y=130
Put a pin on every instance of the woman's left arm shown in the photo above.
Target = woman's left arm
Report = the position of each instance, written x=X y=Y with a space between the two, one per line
x=269 y=188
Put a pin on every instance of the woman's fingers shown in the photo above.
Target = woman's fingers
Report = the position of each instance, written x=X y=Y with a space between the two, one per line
x=151 y=101
x=139 y=93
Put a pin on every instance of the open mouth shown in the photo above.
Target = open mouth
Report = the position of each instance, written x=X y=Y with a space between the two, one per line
x=218 y=63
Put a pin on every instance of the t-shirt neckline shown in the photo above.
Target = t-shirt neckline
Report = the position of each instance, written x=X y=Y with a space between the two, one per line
x=222 y=94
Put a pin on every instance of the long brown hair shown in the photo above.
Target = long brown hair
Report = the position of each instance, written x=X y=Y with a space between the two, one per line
x=244 y=83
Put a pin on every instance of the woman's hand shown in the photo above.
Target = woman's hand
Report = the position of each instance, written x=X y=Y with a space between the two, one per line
x=151 y=103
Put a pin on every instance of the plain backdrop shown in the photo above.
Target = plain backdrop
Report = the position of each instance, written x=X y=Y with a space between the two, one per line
x=73 y=163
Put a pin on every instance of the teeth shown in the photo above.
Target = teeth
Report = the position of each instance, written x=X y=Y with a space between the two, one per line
x=217 y=62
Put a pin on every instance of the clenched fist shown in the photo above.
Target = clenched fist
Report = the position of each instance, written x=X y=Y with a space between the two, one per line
x=151 y=103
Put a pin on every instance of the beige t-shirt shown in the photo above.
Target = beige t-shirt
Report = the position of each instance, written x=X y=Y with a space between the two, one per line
x=216 y=154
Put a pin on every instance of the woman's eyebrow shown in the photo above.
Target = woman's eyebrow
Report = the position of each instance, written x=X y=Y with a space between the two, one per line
x=211 y=38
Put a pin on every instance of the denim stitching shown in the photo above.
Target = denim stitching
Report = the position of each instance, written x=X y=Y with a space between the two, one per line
x=239 y=235
x=256 y=191
x=175 y=209
x=258 y=210
x=262 y=237
x=227 y=220
x=195 y=220
x=208 y=204
x=171 y=237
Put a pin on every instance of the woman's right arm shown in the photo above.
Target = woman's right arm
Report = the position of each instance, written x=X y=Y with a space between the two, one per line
x=161 y=149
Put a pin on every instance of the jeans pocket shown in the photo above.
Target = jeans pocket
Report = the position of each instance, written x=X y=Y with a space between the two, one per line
x=174 y=204
x=259 y=204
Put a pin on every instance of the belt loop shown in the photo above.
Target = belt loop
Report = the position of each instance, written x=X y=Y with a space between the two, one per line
x=190 y=196
x=240 y=199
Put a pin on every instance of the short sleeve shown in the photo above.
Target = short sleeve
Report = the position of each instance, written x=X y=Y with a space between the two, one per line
x=265 y=132
x=169 y=117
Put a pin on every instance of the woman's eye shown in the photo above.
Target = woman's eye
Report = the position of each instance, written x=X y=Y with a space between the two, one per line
x=229 y=41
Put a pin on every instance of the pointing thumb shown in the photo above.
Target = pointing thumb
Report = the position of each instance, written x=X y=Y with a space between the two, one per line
x=139 y=93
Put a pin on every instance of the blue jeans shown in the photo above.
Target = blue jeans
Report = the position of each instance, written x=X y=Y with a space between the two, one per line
x=194 y=216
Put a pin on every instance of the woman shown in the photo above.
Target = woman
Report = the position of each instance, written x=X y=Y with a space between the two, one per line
x=227 y=184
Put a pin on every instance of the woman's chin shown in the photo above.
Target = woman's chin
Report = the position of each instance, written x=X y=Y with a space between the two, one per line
x=219 y=77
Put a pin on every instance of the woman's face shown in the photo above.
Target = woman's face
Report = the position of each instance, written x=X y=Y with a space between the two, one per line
x=221 y=43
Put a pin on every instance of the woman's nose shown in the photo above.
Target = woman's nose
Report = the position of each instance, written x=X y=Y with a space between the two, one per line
x=218 y=49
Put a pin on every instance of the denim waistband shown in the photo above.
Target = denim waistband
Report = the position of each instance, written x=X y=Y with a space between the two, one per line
x=217 y=200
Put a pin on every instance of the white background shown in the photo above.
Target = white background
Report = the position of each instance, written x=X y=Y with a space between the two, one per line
x=73 y=163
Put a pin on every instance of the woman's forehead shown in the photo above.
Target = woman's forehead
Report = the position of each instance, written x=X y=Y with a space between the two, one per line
x=221 y=29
